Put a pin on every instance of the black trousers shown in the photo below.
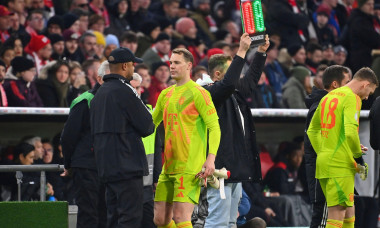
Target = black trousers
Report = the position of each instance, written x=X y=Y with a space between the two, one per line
x=89 y=195
x=124 y=203
x=148 y=215
x=319 y=216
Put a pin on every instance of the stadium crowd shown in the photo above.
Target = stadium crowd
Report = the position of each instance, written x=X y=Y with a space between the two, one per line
x=51 y=50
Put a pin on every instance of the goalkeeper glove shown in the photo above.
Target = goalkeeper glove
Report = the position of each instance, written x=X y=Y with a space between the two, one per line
x=361 y=168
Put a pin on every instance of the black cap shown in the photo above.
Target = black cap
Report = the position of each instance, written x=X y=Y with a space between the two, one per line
x=54 y=38
x=162 y=36
x=21 y=64
x=123 y=55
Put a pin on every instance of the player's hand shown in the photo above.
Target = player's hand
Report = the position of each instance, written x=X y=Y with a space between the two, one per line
x=208 y=166
x=363 y=148
x=245 y=43
x=66 y=173
x=263 y=48
x=363 y=171
x=361 y=168
x=270 y=212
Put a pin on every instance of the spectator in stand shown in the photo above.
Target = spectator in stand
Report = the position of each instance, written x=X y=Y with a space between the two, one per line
x=263 y=96
x=90 y=68
x=3 y=95
x=15 y=26
x=364 y=35
x=78 y=83
x=261 y=206
x=23 y=155
x=53 y=84
x=45 y=6
x=87 y=46
x=317 y=80
x=96 y=23
x=79 y=4
x=335 y=23
x=282 y=177
x=100 y=44
x=129 y=40
x=18 y=7
x=313 y=57
x=298 y=54
x=328 y=54
x=167 y=27
x=159 y=52
x=7 y=53
x=205 y=22
x=55 y=25
x=286 y=18
x=118 y=18
x=198 y=72
x=112 y=42
x=17 y=42
x=186 y=27
x=40 y=50
x=72 y=52
x=98 y=7
x=340 y=55
x=71 y=21
x=161 y=75
x=143 y=70
x=233 y=29
x=83 y=19
x=150 y=30
x=166 y=9
x=296 y=88
x=48 y=152
x=277 y=74
x=21 y=89
x=4 y=23
x=224 y=46
x=35 y=22
x=324 y=32
x=58 y=46
x=38 y=149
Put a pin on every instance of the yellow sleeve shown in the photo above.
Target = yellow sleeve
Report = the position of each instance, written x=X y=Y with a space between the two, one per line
x=351 y=125
x=157 y=114
x=207 y=111
x=314 y=131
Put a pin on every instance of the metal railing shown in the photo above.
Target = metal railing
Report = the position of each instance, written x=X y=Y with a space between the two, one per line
x=31 y=168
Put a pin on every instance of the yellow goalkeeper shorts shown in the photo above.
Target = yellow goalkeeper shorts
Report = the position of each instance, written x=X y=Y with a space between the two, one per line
x=178 y=188
x=338 y=190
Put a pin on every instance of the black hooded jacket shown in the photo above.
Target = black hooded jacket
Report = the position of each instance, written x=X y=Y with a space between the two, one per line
x=238 y=150
x=315 y=191
x=119 y=119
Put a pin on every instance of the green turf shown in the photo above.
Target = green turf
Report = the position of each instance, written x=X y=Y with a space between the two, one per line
x=33 y=214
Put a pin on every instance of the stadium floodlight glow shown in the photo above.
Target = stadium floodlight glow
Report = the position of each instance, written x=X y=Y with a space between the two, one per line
x=252 y=19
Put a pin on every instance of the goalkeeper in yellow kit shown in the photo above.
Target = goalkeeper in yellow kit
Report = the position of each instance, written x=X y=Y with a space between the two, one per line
x=333 y=133
x=188 y=112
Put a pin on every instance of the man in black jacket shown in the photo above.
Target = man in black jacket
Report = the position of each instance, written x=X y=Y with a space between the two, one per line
x=238 y=151
x=79 y=156
x=118 y=121
x=333 y=77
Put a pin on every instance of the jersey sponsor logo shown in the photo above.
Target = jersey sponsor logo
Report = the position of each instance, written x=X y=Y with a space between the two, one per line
x=180 y=194
x=351 y=197
x=211 y=111
x=172 y=120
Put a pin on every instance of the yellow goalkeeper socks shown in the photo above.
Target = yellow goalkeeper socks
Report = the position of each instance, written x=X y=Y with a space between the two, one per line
x=186 y=224
x=331 y=223
x=170 y=225
x=349 y=222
